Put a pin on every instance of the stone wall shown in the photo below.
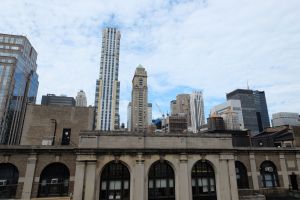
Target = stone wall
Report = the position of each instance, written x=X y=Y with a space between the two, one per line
x=43 y=122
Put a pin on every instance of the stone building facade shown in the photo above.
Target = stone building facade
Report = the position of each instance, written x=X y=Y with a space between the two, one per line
x=121 y=166
x=46 y=125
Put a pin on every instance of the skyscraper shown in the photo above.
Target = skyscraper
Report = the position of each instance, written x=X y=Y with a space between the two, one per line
x=197 y=111
x=139 y=100
x=254 y=109
x=81 y=99
x=18 y=85
x=107 y=86
x=149 y=113
x=129 y=117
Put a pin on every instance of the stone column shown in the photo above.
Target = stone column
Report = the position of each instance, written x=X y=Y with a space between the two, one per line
x=29 y=177
x=90 y=179
x=232 y=178
x=78 y=181
x=298 y=162
x=184 y=192
x=227 y=179
x=253 y=171
x=139 y=179
x=284 y=171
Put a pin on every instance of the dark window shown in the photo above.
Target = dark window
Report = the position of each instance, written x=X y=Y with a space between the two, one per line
x=203 y=181
x=54 y=181
x=269 y=174
x=241 y=175
x=9 y=176
x=161 y=184
x=66 y=135
x=115 y=182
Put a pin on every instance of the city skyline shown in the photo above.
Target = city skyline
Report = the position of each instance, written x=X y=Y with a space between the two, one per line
x=209 y=41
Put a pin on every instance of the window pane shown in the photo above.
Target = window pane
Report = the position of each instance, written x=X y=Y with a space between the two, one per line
x=111 y=185
x=193 y=182
x=126 y=185
x=171 y=183
x=103 y=186
x=157 y=183
x=199 y=182
x=117 y=185
x=151 y=184
x=163 y=183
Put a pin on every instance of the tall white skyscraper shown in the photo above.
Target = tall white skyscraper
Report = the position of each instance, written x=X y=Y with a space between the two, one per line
x=107 y=86
x=81 y=99
x=197 y=110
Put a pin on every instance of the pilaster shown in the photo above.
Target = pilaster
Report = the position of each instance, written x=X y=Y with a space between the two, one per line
x=139 y=179
x=184 y=192
x=284 y=171
x=253 y=171
x=79 y=180
x=29 y=176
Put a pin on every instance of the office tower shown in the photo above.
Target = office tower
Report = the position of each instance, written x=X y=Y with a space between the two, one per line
x=107 y=86
x=81 y=99
x=254 y=109
x=139 y=100
x=197 y=111
x=232 y=114
x=149 y=113
x=129 y=116
x=181 y=106
x=52 y=99
x=18 y=85
x=285 y=118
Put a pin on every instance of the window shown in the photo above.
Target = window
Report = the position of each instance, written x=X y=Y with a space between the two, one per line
x=241 y=175
x=161 y=184
x=269 y=174
x=9 y=176
x=66 y=136
x=203 y=181
x=54 y=181
x=115 y=182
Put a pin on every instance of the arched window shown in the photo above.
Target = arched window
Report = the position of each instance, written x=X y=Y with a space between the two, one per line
x=241 y=175
x=115 y=182
x=54 y=181
x=269 y=174
x=161 y=184
x=9 y=176
x=203 y=181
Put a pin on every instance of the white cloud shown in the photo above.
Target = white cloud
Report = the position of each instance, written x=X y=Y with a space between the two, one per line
x=213 y=45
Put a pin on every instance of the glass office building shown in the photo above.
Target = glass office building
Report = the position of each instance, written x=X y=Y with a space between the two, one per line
x=18 y=85
x=254 y=109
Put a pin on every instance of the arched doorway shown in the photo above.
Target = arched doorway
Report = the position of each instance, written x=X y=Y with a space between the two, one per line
x=203 y=181
x=115 y=182
x=161 y=181
x=9 y=176
x=269 y=174
x=241 y=175
x=54 y=181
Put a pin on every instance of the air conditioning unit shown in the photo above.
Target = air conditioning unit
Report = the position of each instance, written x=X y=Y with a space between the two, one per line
x=3 y=182
x=268 y=169
x=54 y=181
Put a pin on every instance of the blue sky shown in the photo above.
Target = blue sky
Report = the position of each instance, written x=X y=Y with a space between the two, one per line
x=210 y=45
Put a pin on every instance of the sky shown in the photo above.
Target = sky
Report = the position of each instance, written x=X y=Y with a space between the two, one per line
x=215 y=46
